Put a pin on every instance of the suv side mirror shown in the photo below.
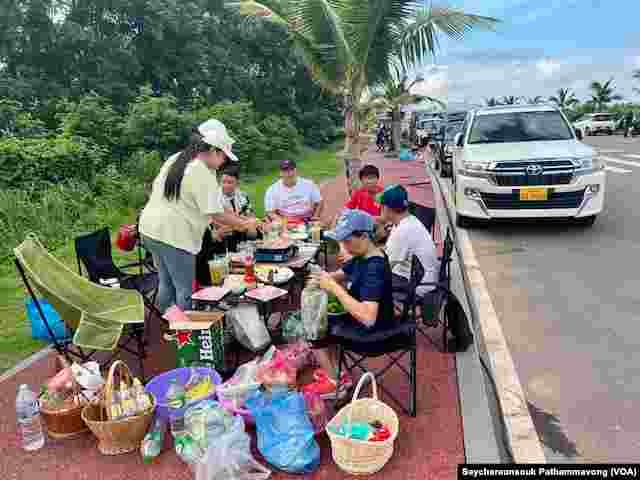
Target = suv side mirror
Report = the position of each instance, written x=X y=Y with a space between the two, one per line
x=578 y=134
x=458 y=139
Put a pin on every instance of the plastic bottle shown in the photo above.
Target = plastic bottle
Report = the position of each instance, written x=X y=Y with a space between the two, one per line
x=29 y=422
x=176 y=400
x=128 y=401
x=153 y=441
x=143 y=402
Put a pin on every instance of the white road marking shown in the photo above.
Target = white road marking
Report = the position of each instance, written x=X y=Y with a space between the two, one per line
x=630 y=155
x=623 y=162
x=609 y=168
x=606 y=150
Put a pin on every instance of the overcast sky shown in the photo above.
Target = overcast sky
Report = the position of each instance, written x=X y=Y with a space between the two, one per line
x=540 y=46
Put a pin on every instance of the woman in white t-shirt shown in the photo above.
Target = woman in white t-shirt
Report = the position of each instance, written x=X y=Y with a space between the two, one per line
x=184 y=200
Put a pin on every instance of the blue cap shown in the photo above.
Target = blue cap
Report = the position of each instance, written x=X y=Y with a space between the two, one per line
x=395 y=196
x=351 y=221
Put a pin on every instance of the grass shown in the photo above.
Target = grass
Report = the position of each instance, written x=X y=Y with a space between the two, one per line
x=16 y=342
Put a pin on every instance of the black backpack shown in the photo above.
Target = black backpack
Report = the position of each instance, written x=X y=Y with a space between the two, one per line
x=457 y=325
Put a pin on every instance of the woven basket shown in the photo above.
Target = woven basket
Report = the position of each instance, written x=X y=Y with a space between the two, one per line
x=360 y=457
x=65 y=423
x=116 y=436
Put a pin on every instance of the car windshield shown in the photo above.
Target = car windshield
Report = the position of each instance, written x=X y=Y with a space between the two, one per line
x=519 y=127
x=456 y=117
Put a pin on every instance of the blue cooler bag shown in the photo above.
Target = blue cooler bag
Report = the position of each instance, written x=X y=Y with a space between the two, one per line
x=38 y=328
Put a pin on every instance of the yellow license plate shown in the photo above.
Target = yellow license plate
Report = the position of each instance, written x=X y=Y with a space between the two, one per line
x=533 y=194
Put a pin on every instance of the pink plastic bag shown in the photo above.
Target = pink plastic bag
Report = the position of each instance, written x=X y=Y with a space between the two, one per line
x=277 y=372
x=297 y=354
x=317 y=411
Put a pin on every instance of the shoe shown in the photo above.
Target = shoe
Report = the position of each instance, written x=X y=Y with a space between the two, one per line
x=346 y=380
x=326 y=387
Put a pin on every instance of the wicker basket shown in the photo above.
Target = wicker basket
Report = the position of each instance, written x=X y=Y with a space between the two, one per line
x=66 y=423
x=116 y=436
x=359 y=457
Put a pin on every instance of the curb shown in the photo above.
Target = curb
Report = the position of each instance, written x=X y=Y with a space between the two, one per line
x=521 y=435
x=27 y=362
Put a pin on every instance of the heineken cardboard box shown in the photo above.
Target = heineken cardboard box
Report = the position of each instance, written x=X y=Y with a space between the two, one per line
x=199 y=341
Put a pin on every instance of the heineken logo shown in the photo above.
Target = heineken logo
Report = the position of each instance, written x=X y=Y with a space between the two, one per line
x=184 y=338
x=206 y=346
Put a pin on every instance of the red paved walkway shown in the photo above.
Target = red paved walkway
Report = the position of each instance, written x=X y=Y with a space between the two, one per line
x=429 y=446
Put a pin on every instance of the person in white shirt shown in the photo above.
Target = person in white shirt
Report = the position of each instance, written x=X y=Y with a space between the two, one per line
x=408 y=237
x=296 y=198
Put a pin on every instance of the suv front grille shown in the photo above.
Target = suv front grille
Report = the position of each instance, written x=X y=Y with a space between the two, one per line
x=511 y=201
x=514 y=174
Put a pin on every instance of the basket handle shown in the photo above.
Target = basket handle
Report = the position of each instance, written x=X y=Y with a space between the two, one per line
x=356 y=393
x=125 y=375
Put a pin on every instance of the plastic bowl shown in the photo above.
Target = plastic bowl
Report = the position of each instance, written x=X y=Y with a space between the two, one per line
x=159 y=385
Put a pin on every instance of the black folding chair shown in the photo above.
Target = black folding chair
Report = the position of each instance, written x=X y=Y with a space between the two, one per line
x=434 y=300
x=426 y=215
x=94 y=252
x=393 y=343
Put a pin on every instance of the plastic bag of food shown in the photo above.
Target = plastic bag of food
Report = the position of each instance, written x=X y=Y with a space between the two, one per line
x=317 y=411
x=277 y=372
x=314 y=303
x=249 y=328
x=244 y=381
x=292 y=327
x=297 y=353
x=206 y=421
x=285 y=433
x=230 y=458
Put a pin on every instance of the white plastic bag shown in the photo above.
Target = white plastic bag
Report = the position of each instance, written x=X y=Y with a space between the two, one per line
x=229 y=458
x=248 y=328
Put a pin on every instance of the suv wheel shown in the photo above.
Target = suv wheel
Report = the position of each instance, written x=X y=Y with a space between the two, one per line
x=587 y=132
x=610 y=132
x=463 y=222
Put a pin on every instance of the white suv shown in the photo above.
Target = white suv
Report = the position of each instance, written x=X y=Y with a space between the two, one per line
x=594 y=123
x=524 y=161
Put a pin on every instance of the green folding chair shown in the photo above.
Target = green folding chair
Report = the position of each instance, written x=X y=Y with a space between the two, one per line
x=100 y=318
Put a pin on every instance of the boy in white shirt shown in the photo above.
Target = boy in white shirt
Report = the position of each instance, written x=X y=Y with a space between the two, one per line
x=298 y=199
x=408 y=237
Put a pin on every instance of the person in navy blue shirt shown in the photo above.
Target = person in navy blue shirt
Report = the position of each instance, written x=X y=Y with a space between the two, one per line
x=368 y=300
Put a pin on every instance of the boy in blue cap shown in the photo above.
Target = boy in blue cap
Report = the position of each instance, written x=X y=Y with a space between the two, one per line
x=408 y=237
x=368 y=300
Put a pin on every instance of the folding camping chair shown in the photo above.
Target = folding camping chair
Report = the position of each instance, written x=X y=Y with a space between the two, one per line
x=101 y=318
x=94 y=252
x=393 y=343
x=434 y=300
x=426 y=215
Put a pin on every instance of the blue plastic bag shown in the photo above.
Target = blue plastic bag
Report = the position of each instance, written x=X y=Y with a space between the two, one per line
x=285 y=433
x=38 y=328
x=406 y=155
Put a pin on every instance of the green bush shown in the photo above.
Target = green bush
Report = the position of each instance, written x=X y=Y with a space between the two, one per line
x=94 y=118
x=155 y=123
x=26 y=162
x=318 y=127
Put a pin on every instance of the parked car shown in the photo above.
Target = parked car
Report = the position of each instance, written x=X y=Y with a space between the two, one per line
x=444 y=149
x=425 y=130
x=594 y=123
x=525 y=161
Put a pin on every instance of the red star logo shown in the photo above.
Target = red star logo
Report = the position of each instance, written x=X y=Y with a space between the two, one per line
x=184 y=338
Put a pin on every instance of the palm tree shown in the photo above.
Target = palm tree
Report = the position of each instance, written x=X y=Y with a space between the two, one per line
x=492 y=102
x=535 y=100
x=510 y=100
x=393 y=94
x=564 y=99
x=350 y=45
x=636 y=75
x=603 y=94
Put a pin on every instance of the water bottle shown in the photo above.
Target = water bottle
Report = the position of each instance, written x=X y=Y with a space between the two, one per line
x=175 y=398
x=28 y=416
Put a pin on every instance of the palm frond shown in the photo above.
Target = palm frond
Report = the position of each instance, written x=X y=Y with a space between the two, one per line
x=420 y=37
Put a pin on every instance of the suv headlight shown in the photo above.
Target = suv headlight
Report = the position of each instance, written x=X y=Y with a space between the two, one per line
x=475 y=169
x=586 y=165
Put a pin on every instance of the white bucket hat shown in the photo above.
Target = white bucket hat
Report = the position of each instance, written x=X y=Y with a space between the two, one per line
x=215 y=134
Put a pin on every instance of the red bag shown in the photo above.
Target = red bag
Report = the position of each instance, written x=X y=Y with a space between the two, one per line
x=127 y=237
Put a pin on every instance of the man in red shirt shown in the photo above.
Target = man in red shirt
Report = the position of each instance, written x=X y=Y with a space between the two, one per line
x=365 y=197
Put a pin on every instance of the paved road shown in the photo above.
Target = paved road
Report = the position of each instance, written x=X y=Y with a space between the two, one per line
x=569 y=302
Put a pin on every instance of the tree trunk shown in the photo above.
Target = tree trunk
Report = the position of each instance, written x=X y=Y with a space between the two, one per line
x=352 y=148
x=396 y=127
